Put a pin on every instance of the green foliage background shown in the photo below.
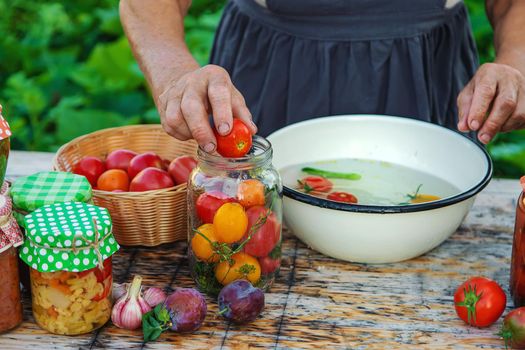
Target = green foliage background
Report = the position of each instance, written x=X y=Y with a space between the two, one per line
x=66 y=70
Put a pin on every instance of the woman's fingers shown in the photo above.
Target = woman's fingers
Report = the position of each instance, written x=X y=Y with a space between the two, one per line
x=464 y=101
x=185 y=106
x=503 y=107
x=493 y=101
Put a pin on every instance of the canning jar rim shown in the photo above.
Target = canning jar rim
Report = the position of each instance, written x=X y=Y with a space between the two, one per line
x=249 y=161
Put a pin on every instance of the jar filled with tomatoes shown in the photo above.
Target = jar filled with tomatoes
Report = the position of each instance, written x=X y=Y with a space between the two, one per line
x=235 y=215
x=68 y=249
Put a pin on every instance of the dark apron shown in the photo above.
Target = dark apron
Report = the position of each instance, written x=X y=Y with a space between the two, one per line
x=301 y=59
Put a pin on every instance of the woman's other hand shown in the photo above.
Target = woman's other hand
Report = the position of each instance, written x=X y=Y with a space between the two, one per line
x=186 y=104
x=493 y=101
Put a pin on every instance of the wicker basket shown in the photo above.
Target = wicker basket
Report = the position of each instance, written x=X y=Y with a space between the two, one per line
x=139 y=218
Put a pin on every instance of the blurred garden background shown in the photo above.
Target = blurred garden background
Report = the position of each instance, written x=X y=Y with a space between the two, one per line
x=66 y=70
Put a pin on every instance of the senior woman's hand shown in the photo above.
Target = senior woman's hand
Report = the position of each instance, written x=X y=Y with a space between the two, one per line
x=186 y=104
x=493 y=101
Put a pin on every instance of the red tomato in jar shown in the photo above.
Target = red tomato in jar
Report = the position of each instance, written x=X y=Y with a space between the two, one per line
x=208 y=203
x=343 y=197
x=315 y=183
x=237 y=143
x=180 y=169
x=266 y=237
x=479 y=301
x=269 y=265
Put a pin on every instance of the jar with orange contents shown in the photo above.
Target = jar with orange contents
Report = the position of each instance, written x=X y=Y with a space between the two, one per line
x=68 y=250
x=234 y=219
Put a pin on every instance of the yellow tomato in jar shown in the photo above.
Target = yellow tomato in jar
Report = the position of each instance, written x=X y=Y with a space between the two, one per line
x=244 y=267
x=201 y=243
x=230 y=222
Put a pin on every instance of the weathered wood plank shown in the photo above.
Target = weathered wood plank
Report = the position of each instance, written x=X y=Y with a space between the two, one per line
x=319 y=302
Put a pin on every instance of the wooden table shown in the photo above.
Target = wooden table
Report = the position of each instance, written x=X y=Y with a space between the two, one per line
x=319 y=302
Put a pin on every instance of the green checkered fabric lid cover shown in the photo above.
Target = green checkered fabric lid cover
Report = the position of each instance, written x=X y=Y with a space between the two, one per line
x=62 y=237
x=32 y=192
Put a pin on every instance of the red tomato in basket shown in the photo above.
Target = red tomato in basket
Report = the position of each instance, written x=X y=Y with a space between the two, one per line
x=344 y=197
x=91 y=168
x=208 y=203
x=151 y=179
x=180 y=169
x=266 y=237
x=237 y=143
x=315 y=183
x=120 y=159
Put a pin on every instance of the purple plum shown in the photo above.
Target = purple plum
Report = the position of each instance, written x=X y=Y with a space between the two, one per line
x=187 y=309
x=240 y=302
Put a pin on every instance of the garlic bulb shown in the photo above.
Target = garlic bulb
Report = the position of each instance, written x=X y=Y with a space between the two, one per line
x=154 y=296
x=128 y=310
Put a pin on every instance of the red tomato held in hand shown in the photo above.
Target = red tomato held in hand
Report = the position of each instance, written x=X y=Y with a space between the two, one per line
x=151 y=179
x=120 y=159
x=91 y=168
x=237 y=143
x=344 y=197
x=269 y=265
x=265 y=238
x=315 y=183
x=208 y=203
x=180 y=169
x=479 y=301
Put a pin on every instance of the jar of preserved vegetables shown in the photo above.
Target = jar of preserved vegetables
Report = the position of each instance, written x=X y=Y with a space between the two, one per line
x=234 y=219
x=47 y=187
x=517 y=267
x=68 y=249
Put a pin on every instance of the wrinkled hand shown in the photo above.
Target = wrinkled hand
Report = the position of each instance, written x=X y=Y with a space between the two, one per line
x=493 y=101
x=184 y=106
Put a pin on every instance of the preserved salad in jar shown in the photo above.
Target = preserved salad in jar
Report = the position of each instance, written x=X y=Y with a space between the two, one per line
x=10 y=238
x=234 y=219
x=68 y=250
x=10 y=305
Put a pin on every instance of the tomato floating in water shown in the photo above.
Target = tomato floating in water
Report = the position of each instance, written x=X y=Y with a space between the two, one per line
x=315 y=183
x=237 y=143
x=479 y=301
x=344 y=197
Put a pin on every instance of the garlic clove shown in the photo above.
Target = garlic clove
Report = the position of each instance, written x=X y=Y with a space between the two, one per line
x=154 y=296
x=119 y=290
x=127 y=311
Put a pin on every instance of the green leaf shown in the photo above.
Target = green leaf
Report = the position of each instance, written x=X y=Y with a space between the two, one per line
x=109 y=68
x=72 y=123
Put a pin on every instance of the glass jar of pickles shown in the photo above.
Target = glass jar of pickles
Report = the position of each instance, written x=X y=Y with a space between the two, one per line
x=68 y=249
x=234 y=219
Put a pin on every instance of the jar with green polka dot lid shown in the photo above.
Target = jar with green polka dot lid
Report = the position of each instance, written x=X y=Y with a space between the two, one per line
x=68 y=249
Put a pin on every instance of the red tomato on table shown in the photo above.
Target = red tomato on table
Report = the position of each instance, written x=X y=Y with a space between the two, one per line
x=237 y=143
x=479 y=301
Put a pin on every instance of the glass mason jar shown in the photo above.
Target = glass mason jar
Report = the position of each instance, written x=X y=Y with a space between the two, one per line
x=10 y=305
x=234 y=219
x=517 y=267
x=72 y=303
